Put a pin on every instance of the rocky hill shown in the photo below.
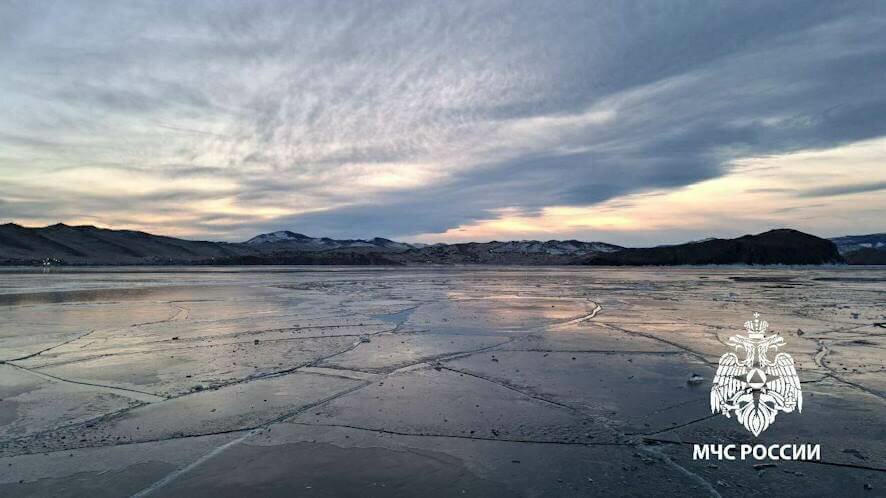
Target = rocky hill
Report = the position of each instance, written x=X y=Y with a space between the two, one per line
x=782 y=246
x=90 y=245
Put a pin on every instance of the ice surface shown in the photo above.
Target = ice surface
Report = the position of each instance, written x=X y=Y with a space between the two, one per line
x=439 y=381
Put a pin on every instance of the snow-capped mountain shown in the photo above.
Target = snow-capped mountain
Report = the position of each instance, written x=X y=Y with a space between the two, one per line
x=528 y=252
x=286 y=240
x=862 y=249
x=852 y=243
x=489 y=252
x=279 y=236
x=553 y=247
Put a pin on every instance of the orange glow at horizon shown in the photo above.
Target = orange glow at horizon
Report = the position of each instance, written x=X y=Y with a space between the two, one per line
x=753 y=192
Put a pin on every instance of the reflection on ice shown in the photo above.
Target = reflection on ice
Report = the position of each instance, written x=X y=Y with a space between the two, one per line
x=572 y=365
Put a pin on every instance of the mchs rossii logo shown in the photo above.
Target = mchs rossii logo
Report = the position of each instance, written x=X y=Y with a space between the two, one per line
x=754 y=388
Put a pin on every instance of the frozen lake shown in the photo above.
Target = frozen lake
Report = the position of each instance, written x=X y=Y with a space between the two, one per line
x=344 y=381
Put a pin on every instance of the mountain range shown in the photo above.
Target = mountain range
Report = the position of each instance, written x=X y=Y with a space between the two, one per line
x=89 y=245
x=863 y=249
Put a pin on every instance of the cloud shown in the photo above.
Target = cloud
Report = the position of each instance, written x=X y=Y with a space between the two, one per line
x=844 y=189
x=339 y=118
x=755 y=195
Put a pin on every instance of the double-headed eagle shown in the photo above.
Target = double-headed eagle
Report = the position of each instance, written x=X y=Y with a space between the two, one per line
x=756 y=388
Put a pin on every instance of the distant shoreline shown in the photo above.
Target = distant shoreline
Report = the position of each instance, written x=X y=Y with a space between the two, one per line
x=197 y=266
x=64 y=245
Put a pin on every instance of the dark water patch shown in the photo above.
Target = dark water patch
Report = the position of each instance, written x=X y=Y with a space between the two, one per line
x=320 y=469
x=396 y=318
x=92 y=295
x=97 y=484
x=768 y=279
x=850 y=279
x=862 y=342
x=8 y=412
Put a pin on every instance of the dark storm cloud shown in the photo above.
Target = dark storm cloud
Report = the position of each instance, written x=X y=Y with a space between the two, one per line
x=384 y=118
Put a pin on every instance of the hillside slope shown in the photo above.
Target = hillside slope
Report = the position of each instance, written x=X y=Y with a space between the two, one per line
x=91 y=245
x=781 y=246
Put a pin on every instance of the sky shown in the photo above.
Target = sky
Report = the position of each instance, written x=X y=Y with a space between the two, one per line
x=626 y=122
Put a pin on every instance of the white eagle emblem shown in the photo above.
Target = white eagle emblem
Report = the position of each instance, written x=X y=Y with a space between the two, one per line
x=756 y=388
